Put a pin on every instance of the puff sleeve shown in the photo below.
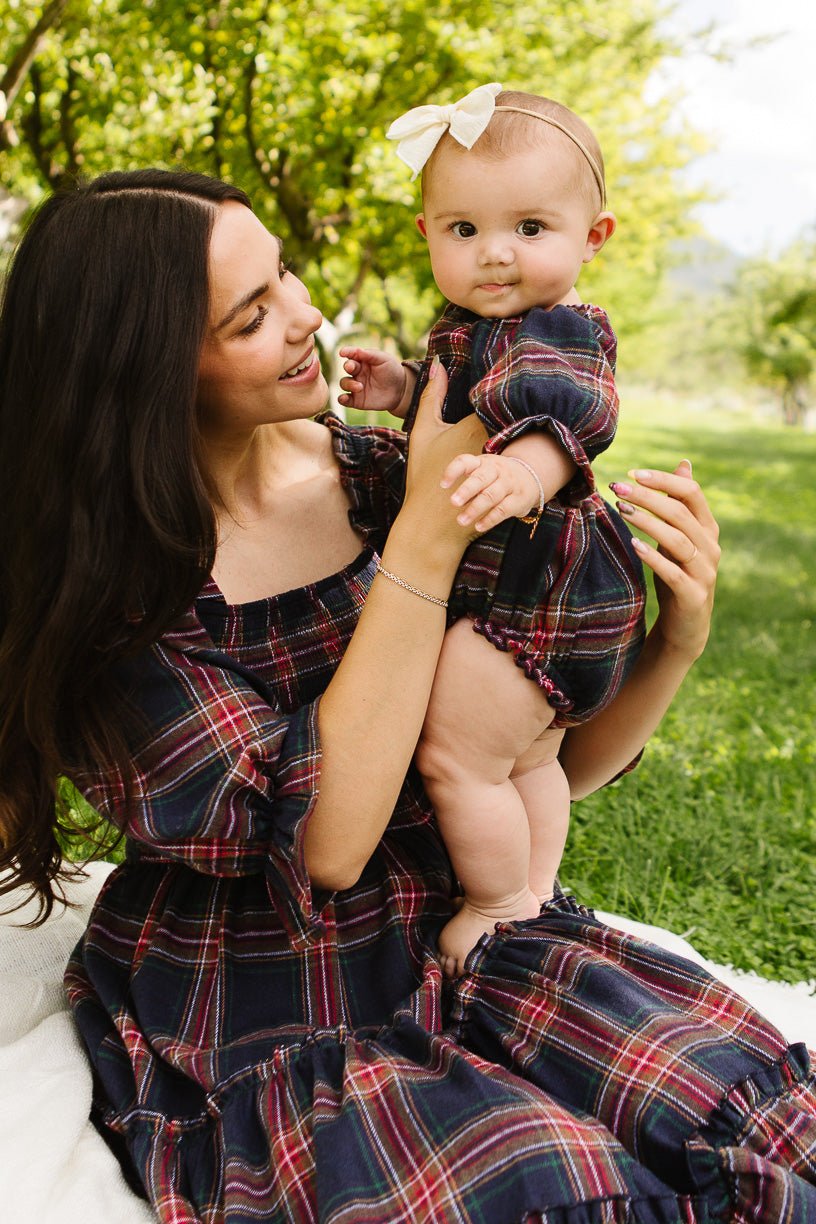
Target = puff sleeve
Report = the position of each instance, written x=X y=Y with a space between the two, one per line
x=219 y=778
x=552 y=370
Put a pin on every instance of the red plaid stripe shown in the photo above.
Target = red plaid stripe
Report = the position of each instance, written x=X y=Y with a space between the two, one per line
x=267 y=1054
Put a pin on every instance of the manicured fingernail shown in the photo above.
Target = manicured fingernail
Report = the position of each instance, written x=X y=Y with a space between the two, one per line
x=625 y=507
x=638 y=545
x=435 y=364
x=623 y=490
x=641 y=474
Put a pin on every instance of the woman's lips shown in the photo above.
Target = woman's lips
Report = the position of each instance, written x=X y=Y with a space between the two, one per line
x=305 y=374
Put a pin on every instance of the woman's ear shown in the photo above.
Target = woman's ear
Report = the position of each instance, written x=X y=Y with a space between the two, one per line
x=601 y=230
x=420 y=224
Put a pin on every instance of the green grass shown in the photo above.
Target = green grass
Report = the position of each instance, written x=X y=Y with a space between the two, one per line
x=714 y=835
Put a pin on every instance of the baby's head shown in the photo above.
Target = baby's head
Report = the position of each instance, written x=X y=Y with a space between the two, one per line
x=510 y=221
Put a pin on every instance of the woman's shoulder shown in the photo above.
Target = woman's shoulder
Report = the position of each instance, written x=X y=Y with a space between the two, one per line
x=360 y=448
x=372 y=462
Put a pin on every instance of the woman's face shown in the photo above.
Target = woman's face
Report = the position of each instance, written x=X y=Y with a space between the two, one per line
x=259 y=363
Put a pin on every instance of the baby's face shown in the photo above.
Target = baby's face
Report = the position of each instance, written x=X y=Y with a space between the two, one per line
x=510 y=234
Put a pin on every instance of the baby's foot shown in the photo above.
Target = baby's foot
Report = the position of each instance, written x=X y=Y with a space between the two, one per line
x=467 y=927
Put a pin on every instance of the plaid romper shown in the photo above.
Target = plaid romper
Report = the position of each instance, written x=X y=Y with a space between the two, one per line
x=569 y=602
x=269 y=1053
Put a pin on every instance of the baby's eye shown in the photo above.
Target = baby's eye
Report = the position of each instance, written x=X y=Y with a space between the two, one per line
x=253 y=326
x=463 y=229
x=530 y=228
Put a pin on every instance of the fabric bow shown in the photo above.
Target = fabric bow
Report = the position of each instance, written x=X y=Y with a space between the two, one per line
x=419 y=130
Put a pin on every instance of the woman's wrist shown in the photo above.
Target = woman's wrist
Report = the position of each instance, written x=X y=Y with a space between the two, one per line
x=431 y=566
x=685 y=652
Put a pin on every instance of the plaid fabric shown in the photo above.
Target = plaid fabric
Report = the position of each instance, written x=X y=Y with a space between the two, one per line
x=265 y=1053
x=546 y=369
x=569 y=604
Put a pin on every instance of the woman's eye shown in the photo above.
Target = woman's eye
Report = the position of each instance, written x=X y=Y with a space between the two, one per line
x=530 y=228
x=463 y=229
x=253 y=326
x=283 y=268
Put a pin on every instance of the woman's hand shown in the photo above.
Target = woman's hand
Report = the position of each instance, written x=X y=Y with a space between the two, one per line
x=672 y=509
x=433 y=446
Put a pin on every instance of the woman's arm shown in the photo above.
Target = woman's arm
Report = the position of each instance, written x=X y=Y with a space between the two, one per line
x=372 y=712
x=672 y=509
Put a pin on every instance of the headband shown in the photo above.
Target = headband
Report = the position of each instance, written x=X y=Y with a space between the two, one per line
x=420 y=130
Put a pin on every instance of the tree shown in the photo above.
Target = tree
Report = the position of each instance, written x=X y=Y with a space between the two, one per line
x=776 y=314
x=291 y=102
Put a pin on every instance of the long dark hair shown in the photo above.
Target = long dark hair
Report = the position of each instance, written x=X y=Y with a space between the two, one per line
x=106 y=527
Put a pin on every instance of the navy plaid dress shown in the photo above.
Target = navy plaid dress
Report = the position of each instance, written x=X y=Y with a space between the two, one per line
x=568 y=604
x=266 y=1052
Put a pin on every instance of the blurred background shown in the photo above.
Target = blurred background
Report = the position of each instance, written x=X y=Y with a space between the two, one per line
x=704 y=111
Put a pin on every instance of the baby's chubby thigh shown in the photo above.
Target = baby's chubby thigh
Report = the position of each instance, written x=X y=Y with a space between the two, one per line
x=485 y=718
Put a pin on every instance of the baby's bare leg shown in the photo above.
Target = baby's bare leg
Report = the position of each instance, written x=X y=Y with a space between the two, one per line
x=544 y=790
x=483 y=716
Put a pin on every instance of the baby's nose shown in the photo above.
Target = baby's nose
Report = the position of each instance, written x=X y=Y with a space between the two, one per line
x=495 y=249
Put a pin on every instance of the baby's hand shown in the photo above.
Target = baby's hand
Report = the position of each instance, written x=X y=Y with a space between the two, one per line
x=493 y=488
x=375 y=381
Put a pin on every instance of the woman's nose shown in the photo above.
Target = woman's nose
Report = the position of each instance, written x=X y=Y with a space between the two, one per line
x=304 y=317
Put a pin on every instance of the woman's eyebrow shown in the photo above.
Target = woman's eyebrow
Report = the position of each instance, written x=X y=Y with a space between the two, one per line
x=242 y=304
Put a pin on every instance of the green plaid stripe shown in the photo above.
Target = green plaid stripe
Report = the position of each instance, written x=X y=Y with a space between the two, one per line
x=270 y=1054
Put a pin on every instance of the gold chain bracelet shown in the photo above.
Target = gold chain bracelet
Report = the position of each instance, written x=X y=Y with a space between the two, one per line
x=406 y=586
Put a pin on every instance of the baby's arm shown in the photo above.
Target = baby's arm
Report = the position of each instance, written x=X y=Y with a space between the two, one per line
x=553 y=374
x=499 y=487
x=376 y=381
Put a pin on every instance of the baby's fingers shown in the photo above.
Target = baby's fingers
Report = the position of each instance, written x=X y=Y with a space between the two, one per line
x=476 y=491
x=459 y=467
x=355 y=354
x=495 y=515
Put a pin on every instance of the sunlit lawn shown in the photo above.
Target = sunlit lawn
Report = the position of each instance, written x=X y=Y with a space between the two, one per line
x=715 y=833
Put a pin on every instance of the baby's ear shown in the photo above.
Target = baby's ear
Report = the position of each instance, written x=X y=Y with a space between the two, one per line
x=601 y=230
x=420 y=224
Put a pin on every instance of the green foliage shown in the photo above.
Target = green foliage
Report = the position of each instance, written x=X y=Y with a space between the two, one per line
x=83 y=834
x=777 y=302
x=292 y=103
x=715 y=833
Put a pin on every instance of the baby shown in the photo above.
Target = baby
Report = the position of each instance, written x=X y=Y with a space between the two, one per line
x=513 y=204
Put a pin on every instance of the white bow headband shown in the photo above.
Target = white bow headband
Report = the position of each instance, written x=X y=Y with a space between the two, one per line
x=420 y=130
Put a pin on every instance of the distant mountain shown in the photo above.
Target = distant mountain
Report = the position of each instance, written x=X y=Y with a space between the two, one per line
x=704 y=266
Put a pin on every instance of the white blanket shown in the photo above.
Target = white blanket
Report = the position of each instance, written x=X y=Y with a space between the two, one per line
x=54 y=1167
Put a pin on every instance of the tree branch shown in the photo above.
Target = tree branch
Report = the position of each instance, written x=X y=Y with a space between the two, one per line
x=33 y=128
x=20 y=64
x=67 y=125
x=294 y=206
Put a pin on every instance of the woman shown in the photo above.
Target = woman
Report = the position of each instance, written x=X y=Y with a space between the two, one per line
x=221 y=618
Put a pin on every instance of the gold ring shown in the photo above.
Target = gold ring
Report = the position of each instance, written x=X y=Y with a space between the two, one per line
x=691 y=558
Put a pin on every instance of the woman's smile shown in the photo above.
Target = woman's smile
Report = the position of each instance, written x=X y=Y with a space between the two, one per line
x=306 y=370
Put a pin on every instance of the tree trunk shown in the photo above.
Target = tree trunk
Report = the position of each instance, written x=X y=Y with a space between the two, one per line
x=20 y=63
